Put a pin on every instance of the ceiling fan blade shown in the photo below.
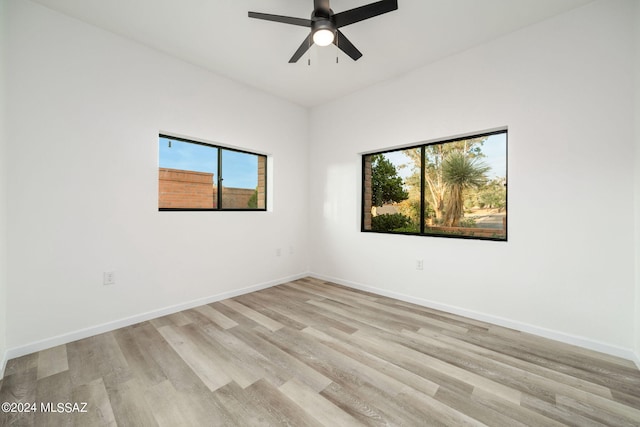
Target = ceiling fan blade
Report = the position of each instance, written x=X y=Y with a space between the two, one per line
x=321 y=4
x=302 y=49
x=346 y=46
x=284 y=19
x=361 y=13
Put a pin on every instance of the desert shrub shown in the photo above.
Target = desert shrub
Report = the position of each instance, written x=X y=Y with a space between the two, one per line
x=412 y=228
x=468 y=222
x=389 y=222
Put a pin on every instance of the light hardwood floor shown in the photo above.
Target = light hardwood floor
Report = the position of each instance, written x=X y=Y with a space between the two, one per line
x=311 y=353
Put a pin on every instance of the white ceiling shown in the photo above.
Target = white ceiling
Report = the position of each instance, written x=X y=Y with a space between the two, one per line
x=218 y=35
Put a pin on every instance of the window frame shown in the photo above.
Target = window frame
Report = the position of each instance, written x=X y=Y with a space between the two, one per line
x=422 y=147
x=220 y=178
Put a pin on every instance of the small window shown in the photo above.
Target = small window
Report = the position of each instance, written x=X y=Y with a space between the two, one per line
x=452 y=188
x=197 y=176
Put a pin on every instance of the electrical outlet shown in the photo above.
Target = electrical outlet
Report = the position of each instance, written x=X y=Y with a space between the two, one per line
x=278 y=251
x=291 y=251
x=419 y=264
x=109 y=278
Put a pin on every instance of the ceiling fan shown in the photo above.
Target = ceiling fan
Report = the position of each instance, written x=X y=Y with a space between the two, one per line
x=324 y=24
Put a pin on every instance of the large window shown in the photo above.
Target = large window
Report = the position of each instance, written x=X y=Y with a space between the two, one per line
x=197 y=176
x=452 y=188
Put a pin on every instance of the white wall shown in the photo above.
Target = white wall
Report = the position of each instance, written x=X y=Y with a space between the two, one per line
x=3 y=197
x=86 y=110
x=563 y=89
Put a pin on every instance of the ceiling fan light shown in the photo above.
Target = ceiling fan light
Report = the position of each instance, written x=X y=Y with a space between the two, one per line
x=323 y=37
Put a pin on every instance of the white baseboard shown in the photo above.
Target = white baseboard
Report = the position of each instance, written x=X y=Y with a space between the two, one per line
x=636 y=359
x=3 y=363
x=110 y=326
x=496 y=320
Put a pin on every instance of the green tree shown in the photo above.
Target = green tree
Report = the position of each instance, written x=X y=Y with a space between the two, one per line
x=253 y=200
x=460 y=172
x=411 y=206
x=435 y=156
x=494 y=194
x=386 y=185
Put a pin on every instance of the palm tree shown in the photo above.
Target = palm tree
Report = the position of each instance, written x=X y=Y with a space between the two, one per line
x=435 y=155
x=460 y=172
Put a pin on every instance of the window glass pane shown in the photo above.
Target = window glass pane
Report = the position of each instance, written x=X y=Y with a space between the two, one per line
x=456 y=188
x=465 y=192
x=392 y=191
x=187 y=175
x=243 y=180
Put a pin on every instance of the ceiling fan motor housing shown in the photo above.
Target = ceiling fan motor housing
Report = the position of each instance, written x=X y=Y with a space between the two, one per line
x=323 y=24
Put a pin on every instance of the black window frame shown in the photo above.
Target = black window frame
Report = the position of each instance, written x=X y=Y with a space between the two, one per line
x=220 y=178
x=422 y=146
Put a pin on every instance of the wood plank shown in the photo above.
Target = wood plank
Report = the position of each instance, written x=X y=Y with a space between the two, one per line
x=241 y=409
x=251 y=363
x=411 y=381
x=257 y=304
x=216 y=317
x=436 y=412
x=21 y=364
x=259 y=318
x=200 y=363
x=170 y=408
x=548 y=354
x=301 y=312
x=52 y=361
x=147 y=371
x=287 y=365
x=361 y=363
x=129 y=405
x=417 y=358
x=316 y=406
x=221 y=358
x=556 y=413
x=372 y=406
x=156 y=349
x=469 y=406
x=523 y=365
x=99 y=410
x=516 y=413
x=283 y=411
x=313 y=353
x=51 y=390
x=97 y=357
x=19 y=388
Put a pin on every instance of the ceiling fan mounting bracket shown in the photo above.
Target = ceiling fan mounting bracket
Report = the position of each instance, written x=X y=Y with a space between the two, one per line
x=319 y=14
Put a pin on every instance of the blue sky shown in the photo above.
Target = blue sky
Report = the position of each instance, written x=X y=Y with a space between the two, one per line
x=494 y=149
x=240 y=170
